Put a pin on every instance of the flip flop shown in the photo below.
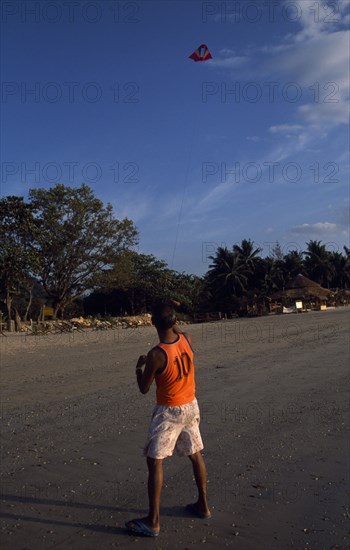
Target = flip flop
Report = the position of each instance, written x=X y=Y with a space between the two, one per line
x=193 y=510
x=141 y=529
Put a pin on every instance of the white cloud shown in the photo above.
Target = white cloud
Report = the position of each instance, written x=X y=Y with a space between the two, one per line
x=136 y=210
x=315 y=58
x=230 y=62
x=318 y=113
x=213 y=199
x=285 y=129
x=320 y=17
x=300 y=135
x=227 y=52
x=318 y=229
x=321 y=59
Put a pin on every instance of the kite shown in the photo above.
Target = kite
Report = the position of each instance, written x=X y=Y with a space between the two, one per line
x=201 y=54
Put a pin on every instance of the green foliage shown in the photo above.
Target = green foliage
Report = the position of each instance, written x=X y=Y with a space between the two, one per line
x=318 y=263
x=64 y=243
x=79 y=238
x=138 y=280
x=228 y=278
x=18 y=257
x=242 y=274
x=341 y=264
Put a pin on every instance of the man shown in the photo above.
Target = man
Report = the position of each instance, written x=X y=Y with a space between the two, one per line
x=175 y=419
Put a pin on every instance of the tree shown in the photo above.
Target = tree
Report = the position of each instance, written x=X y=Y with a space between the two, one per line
x=341 y=263
x=79 y=238
x=278 y=270
x=135 y=278
x=318 y=263
x=138 y=280
x=251 y=260
x=271 y=275
x=18 y=258
x=228 y=277
x=277 y=252
x=193 y=293
x=293 y=265
x=247 y=254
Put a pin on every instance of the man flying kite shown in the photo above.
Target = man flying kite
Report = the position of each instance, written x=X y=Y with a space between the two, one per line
x=201 y=54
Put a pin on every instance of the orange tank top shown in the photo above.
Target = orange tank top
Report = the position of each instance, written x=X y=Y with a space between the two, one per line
x=175 y=382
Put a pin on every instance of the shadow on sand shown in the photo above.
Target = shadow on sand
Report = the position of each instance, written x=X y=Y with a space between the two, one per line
x=178 y=511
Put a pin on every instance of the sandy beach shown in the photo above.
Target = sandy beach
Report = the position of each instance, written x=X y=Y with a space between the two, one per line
x=273 y=394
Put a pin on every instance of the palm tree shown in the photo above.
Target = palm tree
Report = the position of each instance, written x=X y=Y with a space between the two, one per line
x=247 y=254
x=272 y=276
x=341 y=265
x=252 y=261
x=292 y=265
x=228 y=277
x=318 y=263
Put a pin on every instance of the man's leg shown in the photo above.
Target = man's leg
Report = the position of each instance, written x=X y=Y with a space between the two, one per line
x=155 y=483
x=200 y=474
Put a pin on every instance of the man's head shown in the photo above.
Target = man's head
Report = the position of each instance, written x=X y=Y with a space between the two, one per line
x=163 y=316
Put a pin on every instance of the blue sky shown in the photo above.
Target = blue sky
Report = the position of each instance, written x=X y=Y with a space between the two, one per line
x=251 y=144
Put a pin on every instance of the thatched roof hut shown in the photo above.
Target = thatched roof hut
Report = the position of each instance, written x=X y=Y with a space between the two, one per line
x=302 y=288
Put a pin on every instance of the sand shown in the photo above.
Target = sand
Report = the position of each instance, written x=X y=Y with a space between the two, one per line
x=273 y=394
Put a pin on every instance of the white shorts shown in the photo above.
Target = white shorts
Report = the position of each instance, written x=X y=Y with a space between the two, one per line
x=174 y=428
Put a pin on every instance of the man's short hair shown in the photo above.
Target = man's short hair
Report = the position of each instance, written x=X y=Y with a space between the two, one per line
x=163 y=316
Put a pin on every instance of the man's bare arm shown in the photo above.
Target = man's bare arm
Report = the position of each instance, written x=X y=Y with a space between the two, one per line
x=154 y=361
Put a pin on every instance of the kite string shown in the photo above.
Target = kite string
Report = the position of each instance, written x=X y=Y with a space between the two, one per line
x=185 y=187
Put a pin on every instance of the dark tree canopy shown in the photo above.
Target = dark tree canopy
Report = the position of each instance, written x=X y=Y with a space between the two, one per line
x=78 y=239
x=66 y=249
x=18 y=258
x=136 y=281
